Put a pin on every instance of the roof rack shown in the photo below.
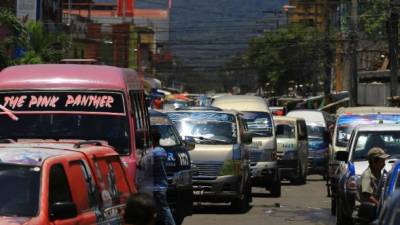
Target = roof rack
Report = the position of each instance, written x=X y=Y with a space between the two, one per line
x=79 y=144
x=6 y=141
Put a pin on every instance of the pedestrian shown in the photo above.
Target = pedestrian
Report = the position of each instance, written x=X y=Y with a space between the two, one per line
x=371 y=176
x=140 y=210
x=160 y=181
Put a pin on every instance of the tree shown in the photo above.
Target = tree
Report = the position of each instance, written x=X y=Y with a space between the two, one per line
x=290 y=55
x=373 y=18
x=37 y=44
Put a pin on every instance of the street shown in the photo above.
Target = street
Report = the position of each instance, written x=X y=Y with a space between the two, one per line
x=299 y=205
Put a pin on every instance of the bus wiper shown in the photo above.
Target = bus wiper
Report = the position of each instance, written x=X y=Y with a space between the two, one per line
x=9 y=113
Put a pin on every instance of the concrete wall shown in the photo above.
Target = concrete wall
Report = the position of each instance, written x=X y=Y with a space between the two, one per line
x=373 y=94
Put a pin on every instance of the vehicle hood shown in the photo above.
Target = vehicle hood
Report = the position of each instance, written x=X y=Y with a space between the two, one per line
x=260 y=143
x=361 y=166
x=286 y=144
x=14 y=220
x=211 y=152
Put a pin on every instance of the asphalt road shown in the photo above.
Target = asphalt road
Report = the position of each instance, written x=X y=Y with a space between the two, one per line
x=299 y=205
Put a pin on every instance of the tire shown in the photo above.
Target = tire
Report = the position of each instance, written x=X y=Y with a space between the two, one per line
x=276 y=189
x=301 y=175
x=333 y=206
x=341 y=218
x=241 y=205
x=178 y=219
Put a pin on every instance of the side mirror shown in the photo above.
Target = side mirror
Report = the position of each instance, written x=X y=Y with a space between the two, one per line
x=367 y=212
x=247 y=138
x=327 y=137
x=190 y=143
x=342 y=156
x=63 y=210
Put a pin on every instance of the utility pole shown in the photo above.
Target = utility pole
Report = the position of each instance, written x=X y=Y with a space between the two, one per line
x=327 y=50
x=393 y=30
x=353 y=53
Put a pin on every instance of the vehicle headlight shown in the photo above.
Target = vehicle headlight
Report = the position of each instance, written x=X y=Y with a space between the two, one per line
x=353 y=183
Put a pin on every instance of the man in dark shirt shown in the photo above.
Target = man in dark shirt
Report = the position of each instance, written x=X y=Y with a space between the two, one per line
x=161 y=181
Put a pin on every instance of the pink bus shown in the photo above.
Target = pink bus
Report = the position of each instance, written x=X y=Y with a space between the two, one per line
x=75 y=102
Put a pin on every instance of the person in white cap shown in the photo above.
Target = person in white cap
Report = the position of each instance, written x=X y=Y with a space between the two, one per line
x=370 y=177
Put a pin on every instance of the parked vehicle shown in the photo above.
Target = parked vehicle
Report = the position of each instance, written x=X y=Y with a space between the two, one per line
x=318 y=139
x=390 y=213
x=60 y=182
x=220 y=160
x=291 y=134
x=180 y=192
x=76 y=102
x=348 y=118
x=354 y=162
x=264 y=164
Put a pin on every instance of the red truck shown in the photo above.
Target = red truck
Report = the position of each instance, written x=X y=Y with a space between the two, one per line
x=56 y=182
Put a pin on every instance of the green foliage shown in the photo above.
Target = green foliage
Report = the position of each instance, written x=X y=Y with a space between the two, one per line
x=374 y=17
x=40 y=46
x=294 y=53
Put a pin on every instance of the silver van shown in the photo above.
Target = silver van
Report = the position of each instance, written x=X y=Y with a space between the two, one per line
x=264 y=165
x=220 y=159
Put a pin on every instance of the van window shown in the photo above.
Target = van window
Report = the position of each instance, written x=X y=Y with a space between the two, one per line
x=259 y=123
x=285 y=130
x=141 y=116
x=84 y=188
x=59 y=189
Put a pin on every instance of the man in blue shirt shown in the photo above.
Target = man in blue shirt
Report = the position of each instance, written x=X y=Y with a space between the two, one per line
x=161 y=181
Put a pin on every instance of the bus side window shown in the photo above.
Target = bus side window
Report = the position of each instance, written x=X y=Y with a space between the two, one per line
x=141 y=116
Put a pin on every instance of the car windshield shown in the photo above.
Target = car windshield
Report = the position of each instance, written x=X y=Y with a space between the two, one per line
x=66 y=114
x=206 y=127
x=284 y=130
x=387 y=140
x=315 y=131
x=259 y=123
x=169 y=137
x=346 y=124
x=19 y=190
x=113 y=129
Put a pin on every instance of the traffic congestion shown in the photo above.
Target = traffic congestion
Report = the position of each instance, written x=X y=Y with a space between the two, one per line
x=79 y=140
x=188 y=112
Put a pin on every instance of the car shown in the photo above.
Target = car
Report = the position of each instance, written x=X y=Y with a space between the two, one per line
x=390 y=214
x=291 y=134
x=347 y=120
x=319 y=139
x=258 y=118
x=81 y=182
x=178 y=165
x=354 y=162
x=220 y=160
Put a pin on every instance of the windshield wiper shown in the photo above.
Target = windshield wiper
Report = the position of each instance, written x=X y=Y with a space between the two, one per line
x=9 y=113
x=201 y=138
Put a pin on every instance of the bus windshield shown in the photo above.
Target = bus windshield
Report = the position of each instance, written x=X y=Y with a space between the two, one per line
x=78 y=115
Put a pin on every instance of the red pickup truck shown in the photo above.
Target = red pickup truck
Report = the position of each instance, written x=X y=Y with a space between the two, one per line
x=55 y=182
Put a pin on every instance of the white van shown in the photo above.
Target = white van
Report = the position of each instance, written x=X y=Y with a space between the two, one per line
x=319 y=140
x=263 y=155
